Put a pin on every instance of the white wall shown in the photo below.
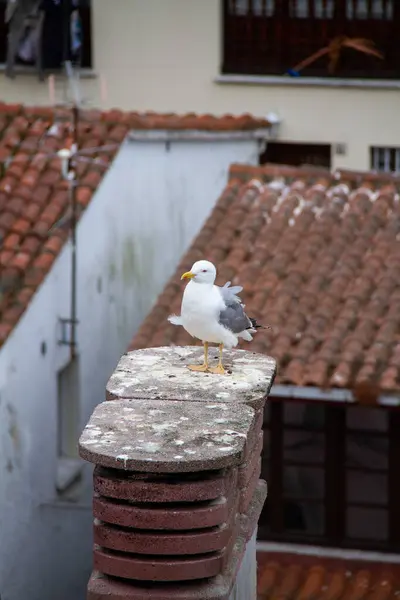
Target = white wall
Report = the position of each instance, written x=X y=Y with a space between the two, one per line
x=144 y=215
x=166 y=56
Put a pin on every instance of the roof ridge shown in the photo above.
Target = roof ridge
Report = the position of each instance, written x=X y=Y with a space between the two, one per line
x=143 y=119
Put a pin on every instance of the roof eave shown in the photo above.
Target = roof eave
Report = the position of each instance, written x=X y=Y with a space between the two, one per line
x=174 y=135
x=294 y=392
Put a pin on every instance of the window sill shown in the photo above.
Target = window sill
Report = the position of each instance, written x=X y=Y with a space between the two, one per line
x=286 y=80
x=69 y=471
x=84 y=73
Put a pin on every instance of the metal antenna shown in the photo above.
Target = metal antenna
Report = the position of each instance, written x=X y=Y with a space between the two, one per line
x=69 y=156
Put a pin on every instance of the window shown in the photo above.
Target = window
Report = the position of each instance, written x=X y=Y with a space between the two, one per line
x=385 y=159
x=284 y=153
x=54 y=42
x=69 y=465
x=332 y=475
x=273 y=37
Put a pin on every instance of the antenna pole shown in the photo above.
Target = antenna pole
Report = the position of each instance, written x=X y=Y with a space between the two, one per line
x=72 y=191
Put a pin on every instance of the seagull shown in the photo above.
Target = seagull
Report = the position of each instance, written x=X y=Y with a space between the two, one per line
x=213 y=314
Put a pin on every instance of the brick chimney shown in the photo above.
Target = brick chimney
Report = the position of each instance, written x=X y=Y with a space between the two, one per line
x=177 y=494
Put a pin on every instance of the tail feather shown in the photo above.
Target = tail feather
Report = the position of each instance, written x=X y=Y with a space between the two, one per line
x=175 y=320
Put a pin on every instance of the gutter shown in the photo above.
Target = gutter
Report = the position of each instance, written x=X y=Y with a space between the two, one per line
x=190 y=135
x=325 y=552
x=293 y=392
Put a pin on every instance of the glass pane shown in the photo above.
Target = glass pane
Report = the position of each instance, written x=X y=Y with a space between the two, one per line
x=367 y=487
x=367 y=523
x=367 y=9
x=367 y=419
x=366 y=451
x=305 y=414
x=303 y=482
x=300 y=446
x=303 y=517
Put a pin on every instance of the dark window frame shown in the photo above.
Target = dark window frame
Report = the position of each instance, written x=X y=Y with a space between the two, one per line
x=258 y=43
x=85 y=10
x=385 y=159
x=335 y=500
x=297 y=154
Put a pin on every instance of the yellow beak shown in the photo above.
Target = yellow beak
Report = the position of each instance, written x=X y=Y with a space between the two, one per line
x=188 y=275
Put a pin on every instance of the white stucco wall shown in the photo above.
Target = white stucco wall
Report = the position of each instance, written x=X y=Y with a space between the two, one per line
x=166 y=56
x=151 y=203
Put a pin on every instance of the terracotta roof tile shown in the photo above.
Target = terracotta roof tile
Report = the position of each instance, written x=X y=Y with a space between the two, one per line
x=317 y=254
x=301 y=577
x=33 y=196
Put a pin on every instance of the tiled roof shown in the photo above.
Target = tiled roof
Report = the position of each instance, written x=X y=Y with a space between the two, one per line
x=33 y=195
x=318 y=256
x=301 y=577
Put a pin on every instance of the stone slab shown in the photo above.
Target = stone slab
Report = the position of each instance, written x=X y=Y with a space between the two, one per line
x=101 y=587
x=162 y=373
x=167 y=436
x=171 y=487
x=187 y=543
x=165 y=516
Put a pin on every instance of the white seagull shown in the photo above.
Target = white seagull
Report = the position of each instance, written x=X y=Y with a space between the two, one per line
x=213 y=314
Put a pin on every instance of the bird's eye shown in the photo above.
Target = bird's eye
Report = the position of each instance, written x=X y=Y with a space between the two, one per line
x=204 y=271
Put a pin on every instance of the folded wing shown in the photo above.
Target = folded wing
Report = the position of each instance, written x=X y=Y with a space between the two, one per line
x=233 y=316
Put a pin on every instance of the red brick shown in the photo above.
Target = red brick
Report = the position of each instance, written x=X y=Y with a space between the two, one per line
x=140 y=568
x=101 y=587
x=145 y=487
x=142 y=516
x=170 y=543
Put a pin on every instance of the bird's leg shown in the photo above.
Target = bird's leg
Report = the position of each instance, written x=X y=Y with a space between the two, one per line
x=219 y=369
x=203 y=367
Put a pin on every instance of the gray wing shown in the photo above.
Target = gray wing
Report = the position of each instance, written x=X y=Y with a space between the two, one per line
x=233 y=316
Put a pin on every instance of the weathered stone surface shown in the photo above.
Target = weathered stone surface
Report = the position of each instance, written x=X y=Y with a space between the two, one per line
x=143 y=568
x=246 y=494
x=164 y=516
x=171 y=487
x=172 y=543
x=246 y=469
x=249 y=520
x=161 y=373
x=102 y=587
x=173 y=436
x=246 y=475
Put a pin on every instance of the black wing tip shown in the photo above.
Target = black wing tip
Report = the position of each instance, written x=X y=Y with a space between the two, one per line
x=255 y=325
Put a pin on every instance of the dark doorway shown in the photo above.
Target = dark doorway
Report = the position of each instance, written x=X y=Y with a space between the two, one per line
x=296 y=154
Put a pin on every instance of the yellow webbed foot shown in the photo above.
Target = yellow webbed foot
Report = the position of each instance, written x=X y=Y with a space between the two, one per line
x=201 y=368
x=218 y=370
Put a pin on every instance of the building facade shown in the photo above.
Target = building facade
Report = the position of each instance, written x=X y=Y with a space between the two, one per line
x=239 y=56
